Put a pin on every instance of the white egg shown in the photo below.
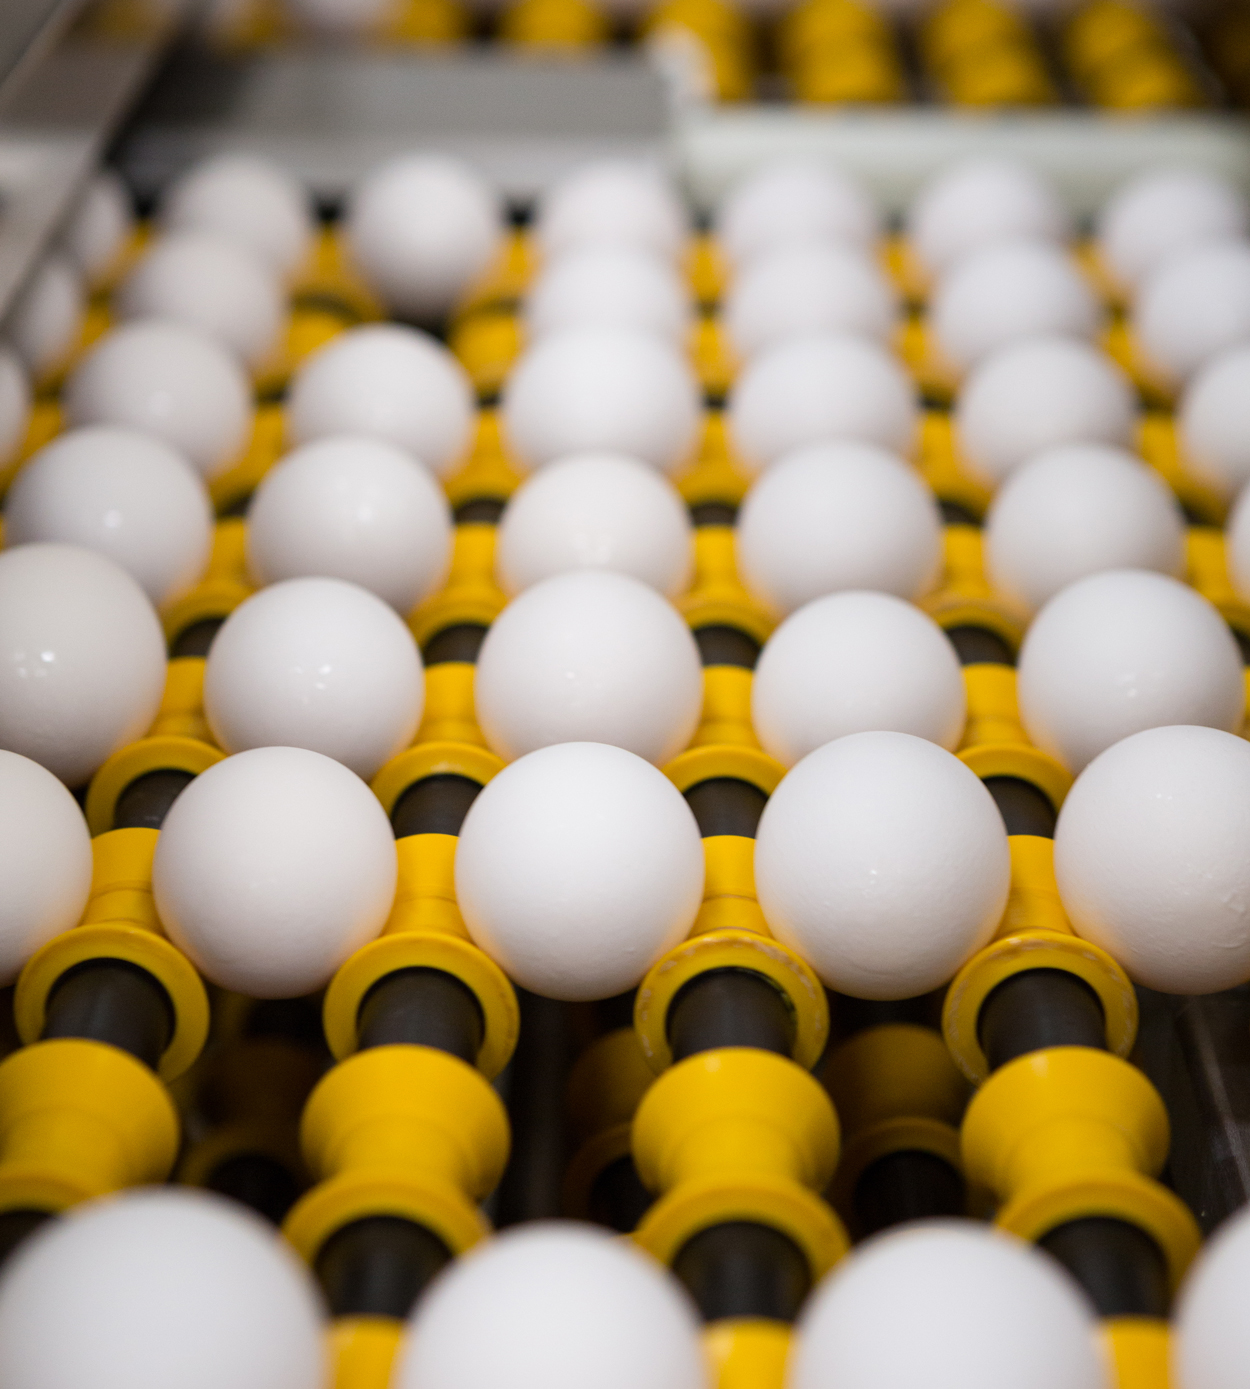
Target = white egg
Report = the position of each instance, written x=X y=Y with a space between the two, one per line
x=82 y=658
x=390 y=382
x=248 y=199
x=272 y=868
x=563 y=1306
x=793 y=202
x=1209 y=1338
x=836 y=516
x=577 y=867
x=611 y=202
x=973 y=204
x=589 y=656
x=44 y=321
x=608 y=286
x=819 y=389
x=883 y=861
x=595 y=511
x=1195 y=305
x=1157 y=214
x=160 y=1287
x=1036 y=394
x=856 y=663
x=422 y=228
x=123 y=494
x=168 y=380
x=1150 y=861
x=1007 y=291
x=15 y=403
x=317 y=664
x=807 y=288
x=351 y=508
x=1213 y=421
x=45 y=856
x=1075 y=510
x=210 y=282
x=96 y=231
x=615 y=390
x=1237 y=543
x=1120 y=652
x=982 y=1309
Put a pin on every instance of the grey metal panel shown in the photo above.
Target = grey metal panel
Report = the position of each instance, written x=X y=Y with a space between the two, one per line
x=28 y=28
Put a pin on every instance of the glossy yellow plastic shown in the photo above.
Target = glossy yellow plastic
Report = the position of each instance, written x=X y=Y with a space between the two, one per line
x=363 y=1351
x=1138 y=1348
x=261 y=452
x=938 y=452
x=712 y=354
x=714 y=474
x=895 y=1088
x=1020 y=761
x=726 y=716
x=404 y=1131
x=717 y=596
x=487 y=342
x=747 y=1353
x=1159 y=445
x=450 y=715
x=1206 y=563
x=740 y=763
x=1071 y=1132
x=993 y=710
x=1034 y=934
x=470 y=594
x=738 y=1134
x=79 y=1119
x=406 y=768
x=120 y=923
x=425 y=22
x=181 y=714
x=605 y=1088
x=155 y=753
x=553 y=24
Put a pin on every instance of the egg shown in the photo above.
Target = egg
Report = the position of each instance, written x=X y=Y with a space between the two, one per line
x=44 y=321
x=611 y=202
x=389 y=382
x=213 y=283
x=95 y=234
x=608 y=287
x=123 y=494
x=15 y=404
x=785 y=202
x=818 y=389
x=801 y=289
x=1195 y=305
x=1213 y=421
x=421 y=229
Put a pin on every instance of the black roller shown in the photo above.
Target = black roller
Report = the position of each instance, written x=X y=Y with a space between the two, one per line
x=459 y=643
x=713 y=514
x=617 y=1198
x=741 y=1269
x=729 y=1008
x=16 y=1226
x=1120 y=1267
x=111 y=1001
x=379 y=1266
x=907 y=1185
x=1243 y=644
x=434 y=805
x=238 y=507
x=1036 y=1009
x=146 y=801
x=1024 y=807
x=726 y=805
x=721 y=645
x=293 y=1019
x=480 y=511
x=424 y=1008
x=258 y=1181
x=956 y=514
x=849 y=1015
x=196 y=639
x=978 y=646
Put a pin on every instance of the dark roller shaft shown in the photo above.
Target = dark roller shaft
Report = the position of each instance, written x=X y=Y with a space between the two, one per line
x=721 y=645
x=726 y=805
x=956 y=514
x=1121 y=1268
x=434 y=805
x=16 y=1227
x=978 y=646
x=197 y=638
x=258 y=1181
x=424 y=1008
x=1025 y=809
x=1036 y=1009
x=460 y=643
x=111 y=1001
x=729 y=1008
x=740 y=1269
x=379 y=1266
x=713 y=514
x=147 y=800
x=618 y=1198
x=481 y=511
x=907 y=1185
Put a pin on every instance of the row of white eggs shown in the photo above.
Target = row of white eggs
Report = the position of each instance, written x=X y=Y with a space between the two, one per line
x=157 y=1288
